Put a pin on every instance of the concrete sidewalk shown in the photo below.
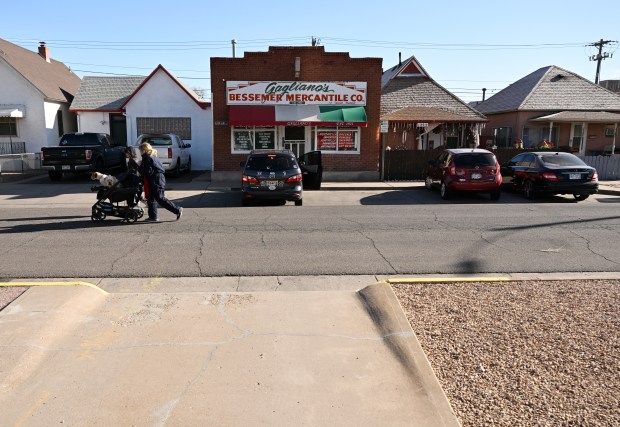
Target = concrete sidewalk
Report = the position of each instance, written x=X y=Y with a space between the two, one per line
x=81 y=355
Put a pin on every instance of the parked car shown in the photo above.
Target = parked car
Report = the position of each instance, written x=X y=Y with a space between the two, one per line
x=173 y=152
x=278 y=175
x=549 y=172
x=467 y=170
x=82 y=152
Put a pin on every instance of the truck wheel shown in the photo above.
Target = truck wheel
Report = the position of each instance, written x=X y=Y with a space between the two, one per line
x=55 y=176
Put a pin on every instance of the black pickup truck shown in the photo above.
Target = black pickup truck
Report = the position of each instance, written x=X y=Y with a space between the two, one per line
x=82 y=152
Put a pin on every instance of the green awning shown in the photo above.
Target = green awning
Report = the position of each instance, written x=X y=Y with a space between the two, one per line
x=339 y=114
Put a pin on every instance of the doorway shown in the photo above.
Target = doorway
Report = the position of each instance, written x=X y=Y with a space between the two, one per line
x=118 y=128
x=295 y=140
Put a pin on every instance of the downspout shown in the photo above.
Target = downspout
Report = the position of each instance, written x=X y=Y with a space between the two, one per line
x=613 y=144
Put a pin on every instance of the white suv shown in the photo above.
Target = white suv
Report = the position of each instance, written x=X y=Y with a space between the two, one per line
x=173 y=152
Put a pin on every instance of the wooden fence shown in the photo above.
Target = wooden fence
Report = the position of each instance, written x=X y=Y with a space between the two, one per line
x=608 y=167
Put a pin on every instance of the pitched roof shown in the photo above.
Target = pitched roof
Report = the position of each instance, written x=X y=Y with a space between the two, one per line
x=428 y=114
x=580 y=116
x=53 y=79
x=551 y=88
x=105 y=93
x=408 y=85
x=201 y=103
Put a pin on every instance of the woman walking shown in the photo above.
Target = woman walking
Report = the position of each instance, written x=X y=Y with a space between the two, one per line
x=153 y=171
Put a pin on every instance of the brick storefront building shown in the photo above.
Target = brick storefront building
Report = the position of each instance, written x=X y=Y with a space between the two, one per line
x=299 y=98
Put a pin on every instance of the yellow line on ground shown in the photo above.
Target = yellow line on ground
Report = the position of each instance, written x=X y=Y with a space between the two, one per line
x=76 y=283
x=447 y=280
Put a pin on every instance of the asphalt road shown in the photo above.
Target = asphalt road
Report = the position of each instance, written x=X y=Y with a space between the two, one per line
x=46 y=231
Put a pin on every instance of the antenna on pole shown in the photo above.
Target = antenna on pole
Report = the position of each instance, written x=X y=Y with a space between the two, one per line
x=234 y=44
x=600 y=56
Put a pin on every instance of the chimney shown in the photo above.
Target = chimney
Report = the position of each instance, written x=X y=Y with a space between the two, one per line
x=44 y=51
x=400 y=61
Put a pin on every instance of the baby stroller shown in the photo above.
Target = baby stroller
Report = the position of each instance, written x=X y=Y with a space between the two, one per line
x=127 y=191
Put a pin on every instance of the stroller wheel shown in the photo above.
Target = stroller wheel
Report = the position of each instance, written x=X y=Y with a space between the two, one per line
x=97 y=216
x=131 y=216
x=140 y=212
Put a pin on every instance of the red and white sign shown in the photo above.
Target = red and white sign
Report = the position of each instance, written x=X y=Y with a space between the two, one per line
x=295 y=93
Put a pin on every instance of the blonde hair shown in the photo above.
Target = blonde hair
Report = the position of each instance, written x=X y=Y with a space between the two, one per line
x=145 y=147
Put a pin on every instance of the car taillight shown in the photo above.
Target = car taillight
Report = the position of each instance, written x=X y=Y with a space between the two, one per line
x=249 y=179
x=295 y=178
x=594 y=175
x=452 y=169
x=41 y=156
x=169 y=152
x=88 y=154
x=550 y=176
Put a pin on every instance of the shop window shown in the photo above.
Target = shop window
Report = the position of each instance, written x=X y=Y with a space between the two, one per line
x=245 y=139
x=181 y=126
x=336 y=139
x=536 y=136
x=8 y=126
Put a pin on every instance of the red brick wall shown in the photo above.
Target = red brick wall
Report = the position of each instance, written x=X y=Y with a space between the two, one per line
x=316 y=65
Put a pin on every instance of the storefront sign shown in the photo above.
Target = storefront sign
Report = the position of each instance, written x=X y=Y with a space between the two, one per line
x=294 y=93
x=243 y=140
x=265 y=140
x=326 y=140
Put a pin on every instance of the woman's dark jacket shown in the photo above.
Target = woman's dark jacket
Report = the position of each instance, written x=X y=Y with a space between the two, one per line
x=152 y=169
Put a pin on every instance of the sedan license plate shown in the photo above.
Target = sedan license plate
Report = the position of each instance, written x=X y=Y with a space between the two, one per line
x=574 y=176
x=66 y=167
x=476 y=175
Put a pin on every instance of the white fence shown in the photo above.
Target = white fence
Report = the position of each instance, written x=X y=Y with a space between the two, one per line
x=20 y=163
x=608 y=167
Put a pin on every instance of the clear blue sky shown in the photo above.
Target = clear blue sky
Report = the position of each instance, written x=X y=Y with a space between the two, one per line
x=464 y=46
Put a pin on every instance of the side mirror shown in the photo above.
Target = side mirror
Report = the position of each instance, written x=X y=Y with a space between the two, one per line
x=301 y=163
x=242 y=164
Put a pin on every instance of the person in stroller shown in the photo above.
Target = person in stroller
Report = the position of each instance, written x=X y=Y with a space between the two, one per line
x=126 y=189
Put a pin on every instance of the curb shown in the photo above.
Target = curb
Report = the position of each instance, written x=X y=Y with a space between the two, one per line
x=28 y=284
x=389 y=318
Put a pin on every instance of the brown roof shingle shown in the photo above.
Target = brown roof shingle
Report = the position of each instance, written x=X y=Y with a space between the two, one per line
x=53 y=79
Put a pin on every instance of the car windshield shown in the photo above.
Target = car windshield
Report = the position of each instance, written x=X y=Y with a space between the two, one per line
x=158 y=140
x=474 y=159
x=80 y=139
x=271 y=163
x=561 y=159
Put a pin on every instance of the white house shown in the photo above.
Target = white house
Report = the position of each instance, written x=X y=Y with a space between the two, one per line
x=35 y=94
x=126 y=107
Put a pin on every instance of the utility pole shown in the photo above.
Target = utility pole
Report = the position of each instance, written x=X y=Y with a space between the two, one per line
x=600 y=56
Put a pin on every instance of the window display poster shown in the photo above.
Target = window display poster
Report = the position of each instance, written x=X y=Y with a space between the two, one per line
x=265 y=140
x=326 y=140
x=346 y=141
x=243 y=140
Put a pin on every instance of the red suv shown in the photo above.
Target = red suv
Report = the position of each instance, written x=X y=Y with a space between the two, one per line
x=465 y=169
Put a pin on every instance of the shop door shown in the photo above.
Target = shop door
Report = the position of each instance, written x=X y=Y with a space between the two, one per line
x=295 y=140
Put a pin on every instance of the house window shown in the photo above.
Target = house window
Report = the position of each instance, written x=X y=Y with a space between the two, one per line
x=244 y=139
x=181 y=126
x=503 y=137
x=8 y=126
x=336 y=139
x=535 y=136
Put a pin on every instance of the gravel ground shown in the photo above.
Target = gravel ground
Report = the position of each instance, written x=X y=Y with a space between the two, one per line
x=8 y=294
x=522 y=353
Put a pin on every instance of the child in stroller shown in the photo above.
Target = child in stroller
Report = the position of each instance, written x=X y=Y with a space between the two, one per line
x=128 y=191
